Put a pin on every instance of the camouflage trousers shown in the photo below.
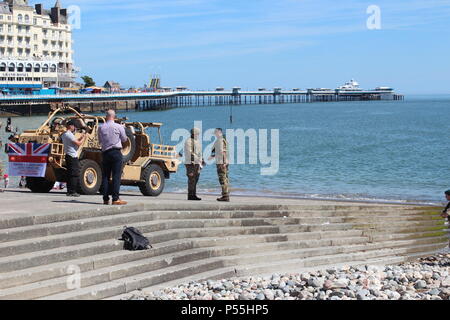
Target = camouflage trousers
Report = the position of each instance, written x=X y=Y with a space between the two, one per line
x=193 y=174
x=222 y=172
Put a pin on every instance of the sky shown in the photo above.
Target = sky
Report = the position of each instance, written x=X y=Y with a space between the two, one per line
x=203 y=44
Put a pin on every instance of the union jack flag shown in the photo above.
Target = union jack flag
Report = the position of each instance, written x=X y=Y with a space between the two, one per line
x=28 y=159
x=28 y=152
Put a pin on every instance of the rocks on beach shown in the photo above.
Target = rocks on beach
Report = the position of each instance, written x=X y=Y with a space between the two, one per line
x=426 y=279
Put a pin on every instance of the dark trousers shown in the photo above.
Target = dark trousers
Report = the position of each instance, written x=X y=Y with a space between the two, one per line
x=193 y=174
x=112 y=166
x=73 y=174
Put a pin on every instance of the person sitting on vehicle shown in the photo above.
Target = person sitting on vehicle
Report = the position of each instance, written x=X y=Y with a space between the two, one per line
x=71 y=145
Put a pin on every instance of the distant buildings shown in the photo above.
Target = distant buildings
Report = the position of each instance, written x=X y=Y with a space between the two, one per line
x=35 y=47
x=112 y=86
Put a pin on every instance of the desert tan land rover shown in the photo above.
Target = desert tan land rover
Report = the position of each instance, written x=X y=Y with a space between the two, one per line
x=146 y=164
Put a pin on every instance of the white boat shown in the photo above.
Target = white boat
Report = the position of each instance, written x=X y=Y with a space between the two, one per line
x=352 y=85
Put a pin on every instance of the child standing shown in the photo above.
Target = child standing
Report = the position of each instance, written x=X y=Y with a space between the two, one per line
x=6 y=180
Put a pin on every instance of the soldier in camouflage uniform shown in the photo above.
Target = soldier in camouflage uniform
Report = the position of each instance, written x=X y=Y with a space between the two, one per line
x=194 y=163
x=220 y=153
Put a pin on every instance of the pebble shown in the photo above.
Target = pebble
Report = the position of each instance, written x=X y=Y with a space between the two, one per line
x=315 y=282
x=269 y=294
x=362 y=294
x=260 y=297
x=420 y=284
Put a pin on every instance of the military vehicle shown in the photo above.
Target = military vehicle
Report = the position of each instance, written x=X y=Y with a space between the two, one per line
x=146 y=164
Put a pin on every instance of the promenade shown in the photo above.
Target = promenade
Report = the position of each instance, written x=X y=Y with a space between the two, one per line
x=23 y=203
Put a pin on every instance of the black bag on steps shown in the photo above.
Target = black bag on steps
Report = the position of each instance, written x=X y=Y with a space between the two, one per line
x=134 y=240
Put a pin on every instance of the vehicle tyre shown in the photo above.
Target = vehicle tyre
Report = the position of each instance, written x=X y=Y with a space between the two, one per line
x=154 y=181
x=39 y=185
x=129 y=147
x=90 y=177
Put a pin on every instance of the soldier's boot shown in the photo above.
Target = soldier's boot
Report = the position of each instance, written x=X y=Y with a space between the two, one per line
x=224 y=199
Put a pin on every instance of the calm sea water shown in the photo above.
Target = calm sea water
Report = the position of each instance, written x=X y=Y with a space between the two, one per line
x=387 y=150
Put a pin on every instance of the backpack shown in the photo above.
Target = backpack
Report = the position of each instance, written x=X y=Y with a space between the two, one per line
x=134 y=240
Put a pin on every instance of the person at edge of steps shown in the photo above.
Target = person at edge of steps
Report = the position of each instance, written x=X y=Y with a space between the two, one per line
x=447 y=207
x=71 y=146
x=111 y=135
x=1 y=172
x=194 y=163
x=220 y=153
x=445 y=211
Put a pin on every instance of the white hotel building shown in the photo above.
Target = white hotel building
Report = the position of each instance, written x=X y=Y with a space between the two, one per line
x=35 y=47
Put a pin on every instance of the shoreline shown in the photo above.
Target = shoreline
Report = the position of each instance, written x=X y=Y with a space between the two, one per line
x=431 y=203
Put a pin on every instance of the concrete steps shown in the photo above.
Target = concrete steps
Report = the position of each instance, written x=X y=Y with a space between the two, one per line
x=247 y=218
x=40 y=273
x=249 y=265
x=36 y=253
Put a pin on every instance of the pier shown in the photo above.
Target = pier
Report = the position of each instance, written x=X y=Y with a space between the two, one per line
x=28 y=105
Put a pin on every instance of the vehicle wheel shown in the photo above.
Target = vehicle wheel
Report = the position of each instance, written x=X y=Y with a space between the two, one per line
x=154 y=179
x=90 y=177
x=129 y=147
x=39 y=185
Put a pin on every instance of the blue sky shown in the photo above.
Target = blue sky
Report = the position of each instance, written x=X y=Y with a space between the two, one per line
x=259 y=43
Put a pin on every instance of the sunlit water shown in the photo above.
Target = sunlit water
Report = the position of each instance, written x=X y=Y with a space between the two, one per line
x=387 y=150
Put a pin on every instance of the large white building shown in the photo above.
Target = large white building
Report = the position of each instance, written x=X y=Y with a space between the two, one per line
x=35 y=47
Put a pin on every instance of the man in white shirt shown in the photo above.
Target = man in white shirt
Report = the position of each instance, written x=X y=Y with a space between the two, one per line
x=71 y=146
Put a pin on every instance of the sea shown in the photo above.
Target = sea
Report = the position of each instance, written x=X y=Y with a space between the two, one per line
x=377 y=151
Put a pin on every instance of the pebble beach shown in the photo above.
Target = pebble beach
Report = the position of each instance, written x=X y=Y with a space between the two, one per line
x=425 y=279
